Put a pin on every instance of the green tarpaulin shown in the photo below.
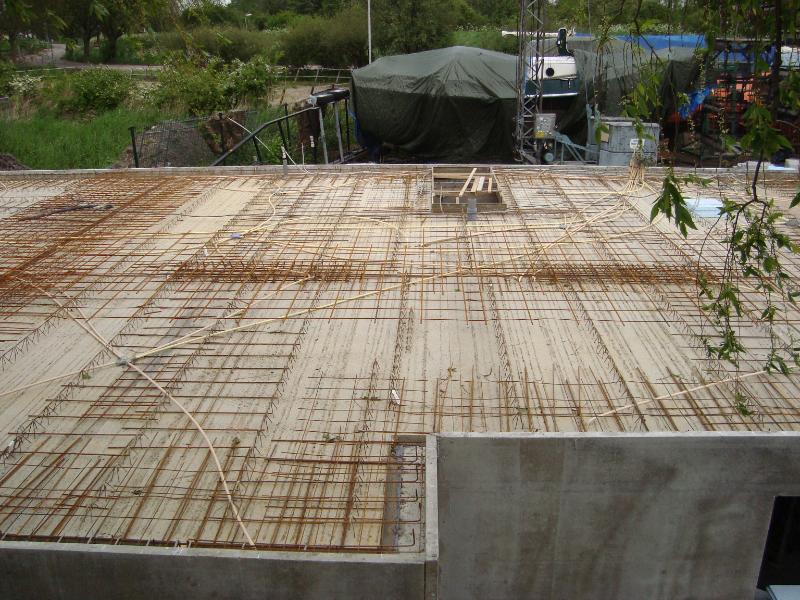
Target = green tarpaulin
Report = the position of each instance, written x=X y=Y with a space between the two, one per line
x=455 y=103
x=458 y=104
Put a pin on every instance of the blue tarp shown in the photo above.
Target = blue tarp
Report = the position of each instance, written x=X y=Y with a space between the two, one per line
x=738 y=53
x=660 y=42
x=696 y=100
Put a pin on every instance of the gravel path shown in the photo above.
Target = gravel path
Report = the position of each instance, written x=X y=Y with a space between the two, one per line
x=54 y=58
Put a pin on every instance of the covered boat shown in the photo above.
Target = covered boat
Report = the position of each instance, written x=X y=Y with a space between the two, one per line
x=455 y=103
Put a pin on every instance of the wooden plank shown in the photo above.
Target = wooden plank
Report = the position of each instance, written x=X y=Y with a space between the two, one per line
x=466 y=183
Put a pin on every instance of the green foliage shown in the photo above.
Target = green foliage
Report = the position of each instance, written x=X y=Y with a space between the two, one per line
x=654 y=16
x=403 y=26
x=195 y=88
x=140 y=49
x=338 y=41
x=599 y=130
x=27 y=45
x=207 y=13
x=645 y=98
x=487 y=38
x=230 y=43
x=761 y=137
x=790 y=89
x=6 y=75
x=741 y=404
x=466 y=16
x=249 y=81
x=503 y=13
x=280 y=20
x=23 y=85
x=671 y=204
x=185 y=86
x=95 y=90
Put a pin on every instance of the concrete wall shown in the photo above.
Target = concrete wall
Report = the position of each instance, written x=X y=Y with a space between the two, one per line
x=608 y=516
x=594 y=516
x=53 y=571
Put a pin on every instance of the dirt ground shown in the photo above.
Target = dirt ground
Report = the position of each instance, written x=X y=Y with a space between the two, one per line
x=9 y=163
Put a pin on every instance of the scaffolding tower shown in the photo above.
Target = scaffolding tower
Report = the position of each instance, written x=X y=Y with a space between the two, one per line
x=530 y=67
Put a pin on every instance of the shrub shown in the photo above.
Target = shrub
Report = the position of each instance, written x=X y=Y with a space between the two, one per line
x=467 y=16
x=338 y=41
x=6 y=76
x=280 y=20
x=201 y=89
x=24 y=85
x=302 y=43
x=139 y=50
x=486 y=38
x=186 y=86
x=345 y=41
x=403 y=26
x=96 y=90
x=231 y=43
x=249 y=81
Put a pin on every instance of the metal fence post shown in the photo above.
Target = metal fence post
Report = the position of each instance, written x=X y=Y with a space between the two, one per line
x=132 y=129
x=322 y=141
x=288 y=127
x=347 y=122
x=222 y=144
x=338 y=131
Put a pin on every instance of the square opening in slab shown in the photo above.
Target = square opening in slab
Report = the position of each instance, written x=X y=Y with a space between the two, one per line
x=454 y=188
x=704 y=207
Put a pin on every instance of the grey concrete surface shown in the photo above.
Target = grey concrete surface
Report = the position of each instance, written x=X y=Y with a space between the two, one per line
x=36 y=570
x=431 y=519
x=656 y=516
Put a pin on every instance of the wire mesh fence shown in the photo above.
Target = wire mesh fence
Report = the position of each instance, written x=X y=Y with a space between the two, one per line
x=310 y=136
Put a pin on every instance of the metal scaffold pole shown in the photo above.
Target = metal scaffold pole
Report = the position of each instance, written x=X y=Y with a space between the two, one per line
x=530 y=33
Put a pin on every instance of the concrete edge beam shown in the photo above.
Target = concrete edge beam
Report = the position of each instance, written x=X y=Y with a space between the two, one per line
x=67 y=571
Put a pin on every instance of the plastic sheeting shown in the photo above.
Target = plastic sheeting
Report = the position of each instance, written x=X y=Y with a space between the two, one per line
x=613 y=70
x=456 y=103
x=459 y=103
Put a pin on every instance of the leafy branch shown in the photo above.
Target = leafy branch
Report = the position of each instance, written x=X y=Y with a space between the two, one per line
x=754 y=247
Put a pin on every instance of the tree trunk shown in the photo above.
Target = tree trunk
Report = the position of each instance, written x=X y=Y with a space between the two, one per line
x=13 y=45
x=110 y=51
x=87 y=45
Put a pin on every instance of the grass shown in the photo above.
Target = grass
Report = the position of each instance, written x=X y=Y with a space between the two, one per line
x=45 y=141
x=48 y=141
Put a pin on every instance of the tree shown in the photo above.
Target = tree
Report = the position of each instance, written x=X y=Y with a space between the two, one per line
x=14 y=20
x=18 y=17
x=83 y=20
x=403 y=26
x=755 y=246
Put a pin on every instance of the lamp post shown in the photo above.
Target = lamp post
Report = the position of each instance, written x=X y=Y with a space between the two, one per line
x=369 y=29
